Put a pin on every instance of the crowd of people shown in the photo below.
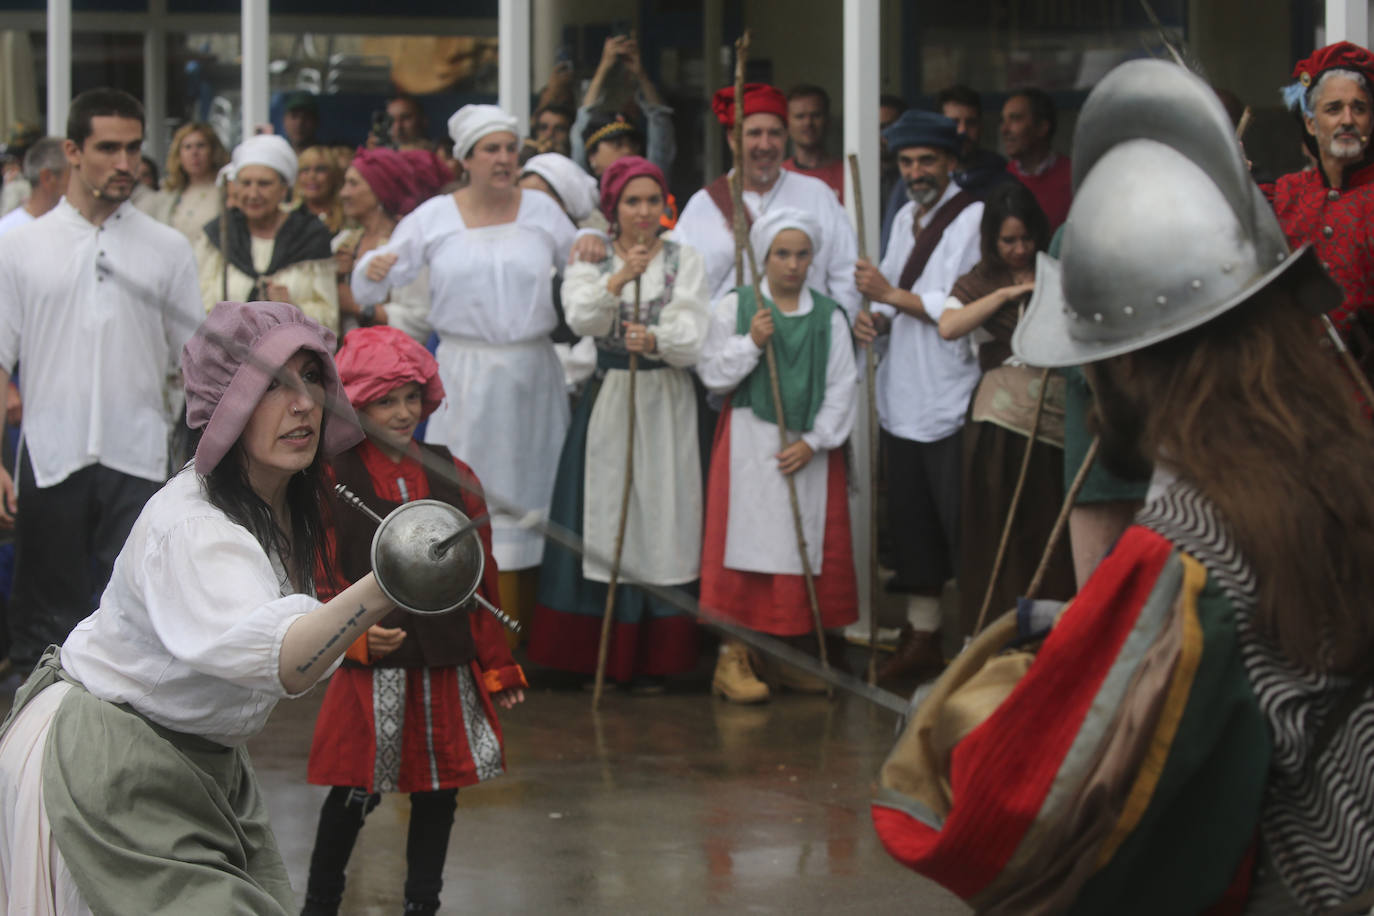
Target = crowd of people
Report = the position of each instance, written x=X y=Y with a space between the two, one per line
x=677 y=389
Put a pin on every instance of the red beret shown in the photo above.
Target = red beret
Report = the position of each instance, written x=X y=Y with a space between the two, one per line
x=1340 y=56
x=759 y=98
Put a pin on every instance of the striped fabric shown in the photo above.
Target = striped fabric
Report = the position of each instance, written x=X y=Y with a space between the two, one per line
x=1318 y=819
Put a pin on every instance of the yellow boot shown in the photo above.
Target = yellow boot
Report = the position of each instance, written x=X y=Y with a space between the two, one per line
x=734 y=678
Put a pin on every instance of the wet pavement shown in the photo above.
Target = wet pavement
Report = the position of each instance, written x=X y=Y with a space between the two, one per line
x=667 y=804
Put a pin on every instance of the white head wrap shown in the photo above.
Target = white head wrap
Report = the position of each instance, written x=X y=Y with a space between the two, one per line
x=574 y=187
x=270 y=150
x=767 y=227
x=473 y=122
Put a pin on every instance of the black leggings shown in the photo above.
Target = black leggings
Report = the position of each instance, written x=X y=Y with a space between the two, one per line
x=341 y=817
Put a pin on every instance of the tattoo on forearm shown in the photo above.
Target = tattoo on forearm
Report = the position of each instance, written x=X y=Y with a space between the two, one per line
x=348 y=625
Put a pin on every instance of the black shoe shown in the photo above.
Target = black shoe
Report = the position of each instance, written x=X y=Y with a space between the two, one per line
x=314 y=906
x=649 y=685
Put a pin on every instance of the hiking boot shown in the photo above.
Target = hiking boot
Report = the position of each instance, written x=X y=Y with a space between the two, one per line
x=734 y=678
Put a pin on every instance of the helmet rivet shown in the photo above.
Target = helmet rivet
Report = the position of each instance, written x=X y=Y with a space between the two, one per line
x=1281 y=255
x=1196 y=284
x=1161 y=301
x=1227 y=268
x=1128 y=311
x=1097 y=316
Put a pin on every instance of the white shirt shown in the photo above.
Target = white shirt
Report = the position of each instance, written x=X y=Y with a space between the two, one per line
x=17 y=217
x=924 y=382
x=491 y=283
x=189 y=630
x=96 y=317
x=704 y=227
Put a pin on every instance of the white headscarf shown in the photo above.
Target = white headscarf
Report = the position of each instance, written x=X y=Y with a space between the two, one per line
x=574 y=187
x=473 y=122
x=767 y=227
x=270 y=150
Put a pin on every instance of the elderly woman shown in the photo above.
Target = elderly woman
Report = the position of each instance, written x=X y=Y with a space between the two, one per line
x=666 y=283
x=490 y=248
x=380 y=186
x=123 y=774
x=318 y=180
x=751 y=571
x=189 y=197
x=984 y=308
x=267 y=252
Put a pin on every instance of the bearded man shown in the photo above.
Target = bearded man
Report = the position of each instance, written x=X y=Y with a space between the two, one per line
x=707 y=222
x=1194 y=733
x=1332 y=207
x=924 y=382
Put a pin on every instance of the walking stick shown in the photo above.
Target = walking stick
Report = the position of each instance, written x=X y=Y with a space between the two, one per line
x=870 y=372
x=1352 y=367
x=1015 y=504
x=620 y=528
x=742 y=245
x=223 y=239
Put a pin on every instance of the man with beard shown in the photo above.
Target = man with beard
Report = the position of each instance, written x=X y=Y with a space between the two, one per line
x=96 y=300
x=1332 y=206
x=1193 y=735
x=707 y=222
x=924 y=383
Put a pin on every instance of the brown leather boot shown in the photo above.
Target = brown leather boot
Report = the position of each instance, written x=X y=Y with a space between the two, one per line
x=918 y=657
x=797 y=680
x=734 y=678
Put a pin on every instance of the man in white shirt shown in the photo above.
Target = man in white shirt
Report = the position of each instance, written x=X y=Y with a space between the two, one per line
x=96 y=301
x=45 y=169
x=707 y=222
x=924 y=383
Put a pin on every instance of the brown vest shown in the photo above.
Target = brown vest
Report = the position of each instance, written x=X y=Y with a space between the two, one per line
x=444 y=641
x=929 y=237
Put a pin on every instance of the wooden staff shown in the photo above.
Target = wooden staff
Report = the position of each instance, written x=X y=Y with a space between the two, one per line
x=742 y=245
x=1059 y=523
x=603 y=648
x=870 y=376
x=1015 y=503
x=223 y=239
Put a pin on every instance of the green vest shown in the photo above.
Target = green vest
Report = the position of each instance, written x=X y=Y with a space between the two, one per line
x=801 y=345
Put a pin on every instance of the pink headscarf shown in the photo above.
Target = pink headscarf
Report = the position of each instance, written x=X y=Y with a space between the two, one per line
x=388 y=175
x=622 y=172
x=374 y=361
x=428 y=172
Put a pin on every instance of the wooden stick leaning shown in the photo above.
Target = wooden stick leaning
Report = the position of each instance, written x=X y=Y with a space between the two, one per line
x=743 y=250
x=606 y=616
x=1015 y=504
x=1348 y=361
x=870 y=380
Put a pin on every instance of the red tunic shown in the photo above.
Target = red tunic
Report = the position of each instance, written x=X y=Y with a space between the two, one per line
x=832 y=173
x=416 y=729
x=1336 y=222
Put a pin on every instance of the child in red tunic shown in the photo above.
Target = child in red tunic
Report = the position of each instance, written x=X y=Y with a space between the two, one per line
x=411 y=709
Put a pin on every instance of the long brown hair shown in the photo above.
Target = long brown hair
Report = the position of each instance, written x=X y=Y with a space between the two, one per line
x=1253 y=410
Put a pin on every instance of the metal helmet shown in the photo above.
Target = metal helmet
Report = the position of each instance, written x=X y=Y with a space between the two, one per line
x=1167 y=229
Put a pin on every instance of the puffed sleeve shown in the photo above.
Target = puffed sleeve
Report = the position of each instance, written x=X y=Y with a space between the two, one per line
x=842 y=252
x=210 y=271
x=408 y=307
x=588 y=305
x=214 y=602
x=727 y=358
x=680 y=331
x=408 y=244
x=840 y=405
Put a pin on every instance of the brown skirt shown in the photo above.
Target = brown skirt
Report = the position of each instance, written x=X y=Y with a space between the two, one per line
x=992 y=463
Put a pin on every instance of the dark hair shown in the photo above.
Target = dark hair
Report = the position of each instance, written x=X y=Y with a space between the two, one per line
x=810 y=91
x=152 y=166
x=409 y=99
x=887 y=100
x=1042 y=108
x=600 y=120
x=959 y=95
x=1253 y=412
x=100 y=103
x=563 y=111
x=1012 y=198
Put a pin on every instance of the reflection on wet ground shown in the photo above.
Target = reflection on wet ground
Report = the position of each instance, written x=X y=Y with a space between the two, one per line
x=669 y=804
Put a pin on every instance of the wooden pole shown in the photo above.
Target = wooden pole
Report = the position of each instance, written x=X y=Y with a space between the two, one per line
x=1352 y=367
x=606 y=615
x=743 y=250
x=870 y=380
x=1015 y=504
x=1062 y=521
